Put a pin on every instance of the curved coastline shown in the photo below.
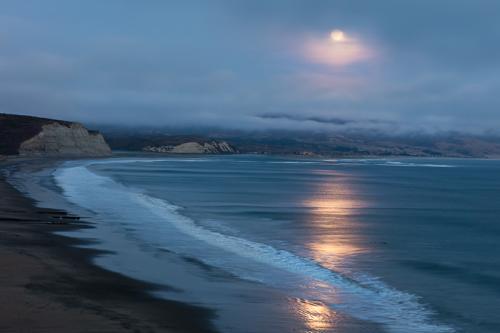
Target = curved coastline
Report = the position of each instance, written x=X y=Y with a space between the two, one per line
x=370 y=302
x=101 y=255
x=52 y=283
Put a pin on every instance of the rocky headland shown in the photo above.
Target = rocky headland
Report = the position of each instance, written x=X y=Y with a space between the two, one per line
x=33 y=136
x=213 y=147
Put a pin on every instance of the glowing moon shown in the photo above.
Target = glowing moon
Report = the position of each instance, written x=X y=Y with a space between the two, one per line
x=337 y=36
x=338 y=49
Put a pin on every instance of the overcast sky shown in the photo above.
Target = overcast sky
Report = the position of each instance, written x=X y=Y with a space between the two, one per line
x=395 y=65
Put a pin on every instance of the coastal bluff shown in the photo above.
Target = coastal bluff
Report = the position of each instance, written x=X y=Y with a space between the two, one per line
x=212 y=147
x=33 y=136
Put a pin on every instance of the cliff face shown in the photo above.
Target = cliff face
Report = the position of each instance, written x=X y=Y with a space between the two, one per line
x=31 y=136
x=73 y=140
x=213 y=147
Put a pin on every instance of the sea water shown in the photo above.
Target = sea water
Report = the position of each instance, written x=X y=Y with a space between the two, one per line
x=276 y=244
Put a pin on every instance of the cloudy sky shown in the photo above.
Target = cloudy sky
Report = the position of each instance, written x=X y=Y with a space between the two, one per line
x=398 y=65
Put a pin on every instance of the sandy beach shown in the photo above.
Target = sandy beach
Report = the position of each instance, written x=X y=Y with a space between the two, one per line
x=49 y=285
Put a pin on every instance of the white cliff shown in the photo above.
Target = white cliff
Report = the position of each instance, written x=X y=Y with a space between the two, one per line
x=71 y=139
x=213 y=147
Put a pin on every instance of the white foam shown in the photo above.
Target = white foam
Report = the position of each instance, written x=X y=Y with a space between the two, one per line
x=385 y=162
x=421 y=165
x=293 y=162
x=115 y=160
x=364 y=297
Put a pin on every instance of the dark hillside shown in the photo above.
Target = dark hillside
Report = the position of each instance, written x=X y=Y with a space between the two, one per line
x=14 y=129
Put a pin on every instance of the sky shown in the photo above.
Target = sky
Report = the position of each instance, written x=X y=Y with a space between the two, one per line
x=387 y=65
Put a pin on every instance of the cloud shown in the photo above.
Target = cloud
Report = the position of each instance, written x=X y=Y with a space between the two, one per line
x=333 y=121
x=342 y=50
x=422 y=65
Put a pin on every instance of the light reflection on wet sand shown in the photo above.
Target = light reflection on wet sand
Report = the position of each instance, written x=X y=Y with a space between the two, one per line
x=316 y=316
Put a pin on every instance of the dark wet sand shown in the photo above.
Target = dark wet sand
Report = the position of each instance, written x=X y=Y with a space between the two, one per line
x=48 y=285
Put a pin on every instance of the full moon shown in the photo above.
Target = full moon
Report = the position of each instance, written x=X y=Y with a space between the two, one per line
x=337 y=36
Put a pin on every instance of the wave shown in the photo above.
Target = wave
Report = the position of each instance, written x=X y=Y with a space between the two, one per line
x=354 y=162
x=293 y=162
x=384 y=162
x=421 y=165
x=363 y=297
x=150 y=160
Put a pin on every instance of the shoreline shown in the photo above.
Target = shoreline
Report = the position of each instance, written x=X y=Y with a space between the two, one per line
x=125 y=153
x=58 y=285
x=52 y=285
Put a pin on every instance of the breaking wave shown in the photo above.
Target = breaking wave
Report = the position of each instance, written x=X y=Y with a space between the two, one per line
x=161 y=222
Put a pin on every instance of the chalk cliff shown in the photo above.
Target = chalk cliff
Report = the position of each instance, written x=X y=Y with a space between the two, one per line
x=212 y=147
x=32 y=136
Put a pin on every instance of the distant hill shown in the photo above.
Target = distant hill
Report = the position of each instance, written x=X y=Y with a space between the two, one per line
x=361 y=144
x=172 y=144
x=349 y=144
x=33 y=136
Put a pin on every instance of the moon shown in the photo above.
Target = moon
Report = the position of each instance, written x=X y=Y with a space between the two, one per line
x=337 y=36
x=338 y=48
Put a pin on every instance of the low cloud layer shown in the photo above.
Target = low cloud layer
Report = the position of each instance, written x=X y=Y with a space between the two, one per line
x=397 y=66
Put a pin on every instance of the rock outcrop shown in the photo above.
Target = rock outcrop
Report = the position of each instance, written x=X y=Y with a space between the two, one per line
x=32 y=136
x=212 y=147
x=73 y=140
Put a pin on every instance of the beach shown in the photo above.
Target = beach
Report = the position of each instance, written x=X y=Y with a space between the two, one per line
x=249 y=244
x=50 y=285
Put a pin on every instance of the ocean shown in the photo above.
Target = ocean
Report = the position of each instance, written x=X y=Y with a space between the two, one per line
x=281 y=244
